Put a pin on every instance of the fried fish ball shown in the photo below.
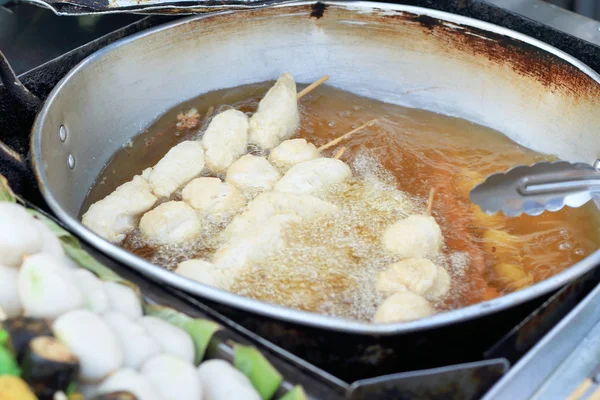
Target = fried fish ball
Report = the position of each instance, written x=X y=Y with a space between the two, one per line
x=413 y=237
x=213 y=197
x=512 y=276
x=206 y=273
x=180 y=165
x=170 y=223
x=268 y=204
x=225 y=139
x=277 y=116
x=403 y=306
x=414 y=274
x=314 y=175
x=256 y=243
x=441 y=285
x=252 y=174
x=117 y=214
x=292 y=152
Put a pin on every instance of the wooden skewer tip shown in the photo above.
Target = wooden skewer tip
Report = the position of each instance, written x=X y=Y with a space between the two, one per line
x=580 y=390
x=339 y=153
x=430 y=200
x=311 y=87
x=344 y=136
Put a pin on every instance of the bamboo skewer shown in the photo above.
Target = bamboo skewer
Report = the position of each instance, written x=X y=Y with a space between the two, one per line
x=209 y=112
x=583 y=387
x=311 y=87
x=339 y=153
x=580 y=390
x=344 y=136
x=430 y=200
x=595 y=395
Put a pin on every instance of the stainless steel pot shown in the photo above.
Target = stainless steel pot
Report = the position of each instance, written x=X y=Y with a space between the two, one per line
x=535 y=94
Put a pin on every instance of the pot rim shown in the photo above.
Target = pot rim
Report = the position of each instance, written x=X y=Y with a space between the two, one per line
x=279 y=312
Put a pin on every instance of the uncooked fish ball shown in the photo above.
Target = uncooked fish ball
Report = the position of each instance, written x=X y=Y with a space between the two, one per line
x=50 y=243
x=136 y=343
x=415 y=236
x=292 y=152
x=205 y=272
x=252 y=174
x=225 y=139
x=213 y=198
x=92 y=289
x=414 y=274
x=180 y=165
x=256 y=243
x=277 y=116
x=268 y=204
x=171 y=339
x=123 y=299
x=174 y=378
x=314 y=175
x=118 y=213
x=46 y=287
x=221 y=381
x=92 y=341
x=10 y=305
x=170 y=223
x=19 y=235
x=128 y=380
x=403 y=306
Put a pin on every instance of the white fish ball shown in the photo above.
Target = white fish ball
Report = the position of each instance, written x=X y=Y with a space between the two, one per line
x=441 y=285
x=94 y=295
x=292 y=152
x=221 y=381
x=171 y=339
x=174 y=378
x=252 y=174
x=205 y=272
x=415 y=236
x=225 y=139
x=170 y=223
x=130 y=381
x=136 y=343
x=414 y=274
x=123 y=299
x=403 y=306
x=277 y=116
x=46 y=287
x=10 y=304
x=180 y=165
x=212 y=197
x=313 y=176
x=92 y=341
x=19 y=235
x=50 y=243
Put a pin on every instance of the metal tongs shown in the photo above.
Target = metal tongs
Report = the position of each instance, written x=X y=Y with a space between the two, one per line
x=538 y=187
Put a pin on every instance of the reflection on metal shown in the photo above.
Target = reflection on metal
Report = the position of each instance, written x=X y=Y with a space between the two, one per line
x=554 y=16
x=463 y=381
x=560 y=361
x=182 y=7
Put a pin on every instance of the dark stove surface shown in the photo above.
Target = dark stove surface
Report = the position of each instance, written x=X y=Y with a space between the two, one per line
x=48 y=46
x=31 y=36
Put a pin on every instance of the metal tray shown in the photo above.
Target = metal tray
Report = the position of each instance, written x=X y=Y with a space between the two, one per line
x=561 y=361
